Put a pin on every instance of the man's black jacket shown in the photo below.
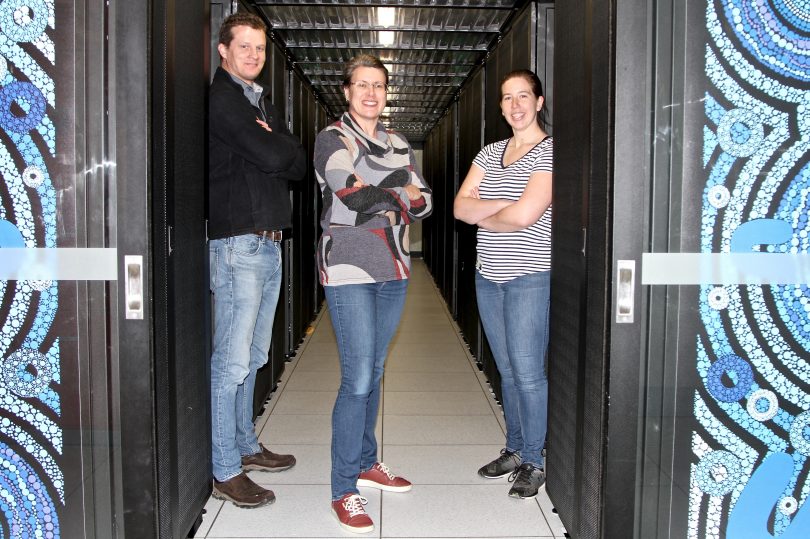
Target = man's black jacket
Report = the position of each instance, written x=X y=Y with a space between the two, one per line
x=249 y=167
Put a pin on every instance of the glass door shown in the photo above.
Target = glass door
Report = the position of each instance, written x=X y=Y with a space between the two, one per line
x=59 y=265
x=718 y=244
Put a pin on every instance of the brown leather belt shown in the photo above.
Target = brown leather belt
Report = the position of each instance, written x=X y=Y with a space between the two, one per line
x=272 y=235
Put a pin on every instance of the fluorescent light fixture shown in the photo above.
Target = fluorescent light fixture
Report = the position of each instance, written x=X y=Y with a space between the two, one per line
x=386 y=38
x=386 y=16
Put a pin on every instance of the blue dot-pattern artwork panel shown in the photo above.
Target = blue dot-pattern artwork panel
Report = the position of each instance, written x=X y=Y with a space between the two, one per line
x=750 y=475
x=31 y=438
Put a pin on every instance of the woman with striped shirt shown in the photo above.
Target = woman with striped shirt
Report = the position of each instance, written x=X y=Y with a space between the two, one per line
x=507 y=194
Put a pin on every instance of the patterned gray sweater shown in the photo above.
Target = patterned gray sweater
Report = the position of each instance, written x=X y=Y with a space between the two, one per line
x=365 y=228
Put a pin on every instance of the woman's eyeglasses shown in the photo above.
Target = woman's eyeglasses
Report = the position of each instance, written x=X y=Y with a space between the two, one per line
x=363 y=85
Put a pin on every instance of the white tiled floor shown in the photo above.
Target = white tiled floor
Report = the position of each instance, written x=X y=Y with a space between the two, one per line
x=438 y=425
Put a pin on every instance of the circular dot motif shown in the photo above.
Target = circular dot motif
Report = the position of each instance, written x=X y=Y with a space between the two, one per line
x=27 y=372
x=25 y=504
x=788 y=505
x=719 y=196
x=29 y=99
x=718 y=298
x=774 y=33
x=3 y=68
x=800 y=433
x=23 y=20
x=735 y=367
x=760 y=398
x=33 y=177
x=718 y=472
x=740 y=133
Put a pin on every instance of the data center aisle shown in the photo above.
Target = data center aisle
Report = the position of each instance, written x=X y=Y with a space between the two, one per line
x=438 y=425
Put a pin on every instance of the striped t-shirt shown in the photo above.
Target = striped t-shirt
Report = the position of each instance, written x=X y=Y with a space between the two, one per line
x=502 y=256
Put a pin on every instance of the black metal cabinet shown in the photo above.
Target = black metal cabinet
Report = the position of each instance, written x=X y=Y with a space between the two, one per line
x=104 y=376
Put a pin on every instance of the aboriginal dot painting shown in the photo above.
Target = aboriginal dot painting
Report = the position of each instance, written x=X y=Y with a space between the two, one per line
x=750 y=475
x=31 y=481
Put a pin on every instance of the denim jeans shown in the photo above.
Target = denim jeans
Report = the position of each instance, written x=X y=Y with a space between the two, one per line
x=515 y=319
x=246 y=280
x=365 y=318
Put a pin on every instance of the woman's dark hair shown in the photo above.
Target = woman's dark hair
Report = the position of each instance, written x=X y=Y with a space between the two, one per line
x=534 y=83
x=362 y=60
x=241 y=18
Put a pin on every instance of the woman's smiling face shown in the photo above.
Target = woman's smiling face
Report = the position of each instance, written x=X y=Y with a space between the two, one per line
x=519 y=105
x=366 y=93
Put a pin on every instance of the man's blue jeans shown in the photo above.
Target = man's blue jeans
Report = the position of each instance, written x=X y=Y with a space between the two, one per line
x=515 y=318
x=246 y=280
x=365 y=318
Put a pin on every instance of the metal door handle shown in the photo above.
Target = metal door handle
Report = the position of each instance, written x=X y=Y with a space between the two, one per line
x=625 y=291
x=133 y=295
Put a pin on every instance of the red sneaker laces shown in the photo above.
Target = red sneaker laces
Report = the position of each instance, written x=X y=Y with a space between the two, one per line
x=354 y=505
x=384 y=469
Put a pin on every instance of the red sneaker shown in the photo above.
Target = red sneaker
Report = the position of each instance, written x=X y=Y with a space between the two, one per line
x=351 y=515
x=379 y=476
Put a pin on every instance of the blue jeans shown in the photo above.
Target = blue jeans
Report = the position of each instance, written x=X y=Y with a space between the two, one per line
x=246 y=280
x=365 y=318
x=515 y=319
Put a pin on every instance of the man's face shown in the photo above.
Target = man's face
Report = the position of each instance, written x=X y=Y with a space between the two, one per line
x=244 y=57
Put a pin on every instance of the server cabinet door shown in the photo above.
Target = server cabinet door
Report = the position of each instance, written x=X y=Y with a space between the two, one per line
x=84 y=362
x=715 y=250
x=59 y=272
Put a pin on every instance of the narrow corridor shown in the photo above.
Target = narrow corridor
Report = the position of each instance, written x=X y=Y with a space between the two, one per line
x=439 y=423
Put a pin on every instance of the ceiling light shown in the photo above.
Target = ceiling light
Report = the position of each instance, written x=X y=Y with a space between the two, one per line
x=386 y=16
x=386 y=38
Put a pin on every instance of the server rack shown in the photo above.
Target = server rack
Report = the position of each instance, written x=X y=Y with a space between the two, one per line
x=449 y=150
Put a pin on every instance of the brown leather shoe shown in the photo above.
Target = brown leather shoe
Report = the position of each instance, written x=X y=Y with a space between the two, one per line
x=267 y=461
x=243 y=492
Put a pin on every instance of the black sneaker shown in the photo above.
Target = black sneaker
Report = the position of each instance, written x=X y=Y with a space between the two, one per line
x=507 y=463
x=527 y=481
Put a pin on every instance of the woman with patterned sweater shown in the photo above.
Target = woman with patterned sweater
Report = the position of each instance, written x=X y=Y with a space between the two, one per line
x=371 y=190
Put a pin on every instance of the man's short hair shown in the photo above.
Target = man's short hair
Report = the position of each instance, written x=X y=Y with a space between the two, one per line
x=241 y=18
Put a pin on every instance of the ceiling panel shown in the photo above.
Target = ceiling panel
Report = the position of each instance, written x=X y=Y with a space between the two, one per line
x=429 y=46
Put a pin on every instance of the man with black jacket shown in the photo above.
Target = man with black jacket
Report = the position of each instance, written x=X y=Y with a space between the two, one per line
x=252 y=157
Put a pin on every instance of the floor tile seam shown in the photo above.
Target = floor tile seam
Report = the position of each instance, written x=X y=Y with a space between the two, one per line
x=214 y=519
